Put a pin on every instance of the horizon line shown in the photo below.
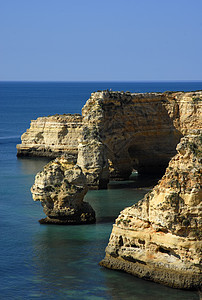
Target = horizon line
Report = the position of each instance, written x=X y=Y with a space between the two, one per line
x=103 y=81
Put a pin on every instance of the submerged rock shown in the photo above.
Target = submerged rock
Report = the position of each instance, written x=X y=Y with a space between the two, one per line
x=60 y=188
x=159 y=238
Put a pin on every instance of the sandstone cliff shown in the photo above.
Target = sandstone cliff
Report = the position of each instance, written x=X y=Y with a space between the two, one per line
x=138 y=131
x=159 y=238
x=60 y=188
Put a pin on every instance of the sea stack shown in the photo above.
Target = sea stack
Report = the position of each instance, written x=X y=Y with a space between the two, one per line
x=159 y=238
x=60 y=188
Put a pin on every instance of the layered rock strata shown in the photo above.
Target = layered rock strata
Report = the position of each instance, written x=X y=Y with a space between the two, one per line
x=60 y=188
x=159 y=238
x=52 y=136
x=138 y=131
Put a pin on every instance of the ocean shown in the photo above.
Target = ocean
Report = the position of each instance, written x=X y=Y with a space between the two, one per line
x=53 y=261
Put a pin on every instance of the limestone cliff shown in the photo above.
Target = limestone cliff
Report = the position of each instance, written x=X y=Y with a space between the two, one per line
x=60 y=188
x=141 y=131
x=159 y=238
x=52 y=136
x=138 y=131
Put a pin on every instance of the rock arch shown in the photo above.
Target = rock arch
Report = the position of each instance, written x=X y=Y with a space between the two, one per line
x=136 y=130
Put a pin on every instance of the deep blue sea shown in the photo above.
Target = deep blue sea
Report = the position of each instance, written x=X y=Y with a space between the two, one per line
x=61 y=262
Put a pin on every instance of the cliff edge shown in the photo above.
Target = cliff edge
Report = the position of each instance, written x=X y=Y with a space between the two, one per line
x=138 y=130
x=159 y=238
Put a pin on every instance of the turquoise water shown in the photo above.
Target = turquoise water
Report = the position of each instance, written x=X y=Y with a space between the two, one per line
x=51 y=261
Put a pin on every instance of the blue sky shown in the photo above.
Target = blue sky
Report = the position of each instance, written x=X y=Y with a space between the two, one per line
x=94 y=40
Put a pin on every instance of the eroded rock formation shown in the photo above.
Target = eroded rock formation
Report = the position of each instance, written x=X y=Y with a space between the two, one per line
x=60 y=188
x=92 y=158
x=52 y=136
x=138 y=131
x=159 y=238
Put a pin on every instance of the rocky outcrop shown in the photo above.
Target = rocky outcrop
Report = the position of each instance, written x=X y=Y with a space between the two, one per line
x=159 y=238
x=138 y=131
x=92 y=158
x=141 y=131
x=52 y=136
x=60 y=188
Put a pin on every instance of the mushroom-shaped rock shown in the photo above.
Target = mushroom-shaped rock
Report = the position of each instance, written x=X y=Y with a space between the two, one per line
x=60 y=188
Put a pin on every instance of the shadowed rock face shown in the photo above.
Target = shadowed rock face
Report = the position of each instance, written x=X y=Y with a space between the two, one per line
x=138 y=131
x=159 y=238
x=141 y=131
x=60 y=188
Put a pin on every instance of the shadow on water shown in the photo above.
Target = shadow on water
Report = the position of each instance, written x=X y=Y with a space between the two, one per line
x=136 y=181
x=125 y=286
x=104 y=220
x=32 y=165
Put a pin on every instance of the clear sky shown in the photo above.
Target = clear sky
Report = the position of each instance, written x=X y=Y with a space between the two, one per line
x=100 y=40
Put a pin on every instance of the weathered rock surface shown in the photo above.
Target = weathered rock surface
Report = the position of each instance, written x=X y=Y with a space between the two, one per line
x=60 y=188
x=92 y=158
x=52 y=136
x=141 y=131
x=159 y=238
x=138 y=131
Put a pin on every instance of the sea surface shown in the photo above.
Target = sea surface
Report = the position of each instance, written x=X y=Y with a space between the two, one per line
x=54 y=261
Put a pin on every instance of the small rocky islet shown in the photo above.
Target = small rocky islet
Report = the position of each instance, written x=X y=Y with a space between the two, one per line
x=60 y=188
x=159 y=238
